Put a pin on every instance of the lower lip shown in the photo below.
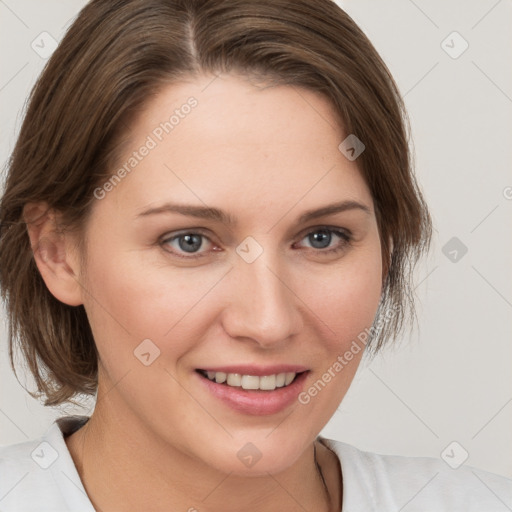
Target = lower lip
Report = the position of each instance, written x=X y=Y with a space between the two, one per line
x=256 y=402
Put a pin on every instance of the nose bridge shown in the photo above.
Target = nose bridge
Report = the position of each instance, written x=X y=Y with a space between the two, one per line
x=263 y=306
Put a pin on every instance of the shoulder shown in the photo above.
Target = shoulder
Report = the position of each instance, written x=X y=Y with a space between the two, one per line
x=39 y=475
x=373 y=481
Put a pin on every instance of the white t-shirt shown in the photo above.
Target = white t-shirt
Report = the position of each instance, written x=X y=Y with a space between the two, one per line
x=40 y=476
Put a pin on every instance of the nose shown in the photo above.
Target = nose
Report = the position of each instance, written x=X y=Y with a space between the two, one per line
x=263 y=305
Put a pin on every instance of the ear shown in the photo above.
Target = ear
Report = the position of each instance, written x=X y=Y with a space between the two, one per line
x=54 y=253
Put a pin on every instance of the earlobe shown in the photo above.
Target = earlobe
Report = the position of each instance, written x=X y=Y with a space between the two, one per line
x=52 y=254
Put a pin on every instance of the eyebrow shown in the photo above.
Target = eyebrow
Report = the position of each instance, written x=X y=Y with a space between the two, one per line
x=215 y=214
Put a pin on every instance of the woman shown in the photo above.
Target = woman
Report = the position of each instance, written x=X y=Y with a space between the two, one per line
x=209 y=218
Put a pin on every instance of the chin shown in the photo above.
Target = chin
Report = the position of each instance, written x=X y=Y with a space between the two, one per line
x=257 y=455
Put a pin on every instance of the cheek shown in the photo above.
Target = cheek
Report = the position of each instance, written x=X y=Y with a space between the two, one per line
x=346 y=301
x=131 y=298
x=346 y=298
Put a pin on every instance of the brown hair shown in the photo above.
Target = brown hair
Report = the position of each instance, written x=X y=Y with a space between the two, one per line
x=115 y=56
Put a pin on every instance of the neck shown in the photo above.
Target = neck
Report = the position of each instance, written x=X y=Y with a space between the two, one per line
x=117 y=458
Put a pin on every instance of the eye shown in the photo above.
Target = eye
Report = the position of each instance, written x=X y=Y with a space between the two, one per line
x=187 y=243
x=322 y=239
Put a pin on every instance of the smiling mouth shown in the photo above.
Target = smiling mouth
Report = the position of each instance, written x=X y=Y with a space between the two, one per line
x=251 y=382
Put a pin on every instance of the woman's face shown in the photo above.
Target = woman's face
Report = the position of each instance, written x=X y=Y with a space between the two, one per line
x=207 y=254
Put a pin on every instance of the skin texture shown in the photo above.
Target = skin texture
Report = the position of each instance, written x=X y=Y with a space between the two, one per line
x=157 y=440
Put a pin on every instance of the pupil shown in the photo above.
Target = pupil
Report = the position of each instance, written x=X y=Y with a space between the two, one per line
x=320 y=239
x=190 y=243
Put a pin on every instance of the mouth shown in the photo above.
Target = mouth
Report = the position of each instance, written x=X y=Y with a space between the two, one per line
x=251 y=382
x=253 y=390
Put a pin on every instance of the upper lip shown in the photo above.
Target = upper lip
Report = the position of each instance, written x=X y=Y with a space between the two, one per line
x=256 y=370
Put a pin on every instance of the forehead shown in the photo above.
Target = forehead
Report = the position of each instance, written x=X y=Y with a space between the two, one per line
x=225 y=140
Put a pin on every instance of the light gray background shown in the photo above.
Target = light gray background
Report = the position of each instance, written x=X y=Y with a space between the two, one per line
x=451 y=380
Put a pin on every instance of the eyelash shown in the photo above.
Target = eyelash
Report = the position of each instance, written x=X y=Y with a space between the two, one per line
x=345 y=236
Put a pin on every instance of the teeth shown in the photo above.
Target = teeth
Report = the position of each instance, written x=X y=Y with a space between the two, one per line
x=266 y=382
x=234 y=379
x=247 y=382
x=220 y=377
x=289 y=377
x=280 y=380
